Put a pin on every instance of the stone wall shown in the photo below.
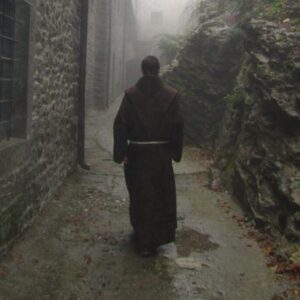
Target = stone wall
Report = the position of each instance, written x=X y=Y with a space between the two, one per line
x=111 y=44
x=117 y=48
x=204 y=74
x=239 y=80
x=260 y=152
x=132 y=66
x=98 y=53
x=32 y=168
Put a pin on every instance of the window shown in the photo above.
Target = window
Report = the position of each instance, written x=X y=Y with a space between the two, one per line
x=157 y=18
x=14 y=38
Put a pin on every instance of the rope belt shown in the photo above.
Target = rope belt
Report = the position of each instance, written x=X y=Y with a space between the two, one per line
x=148 y=142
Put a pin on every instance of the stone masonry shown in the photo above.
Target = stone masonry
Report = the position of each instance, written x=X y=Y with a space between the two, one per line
x=31 y=169
x=98 y=53
x=111 y=45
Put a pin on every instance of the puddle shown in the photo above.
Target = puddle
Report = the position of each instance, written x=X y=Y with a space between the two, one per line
x=189 y=240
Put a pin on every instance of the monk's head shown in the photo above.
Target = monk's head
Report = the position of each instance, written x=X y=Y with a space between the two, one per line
x=150 y=66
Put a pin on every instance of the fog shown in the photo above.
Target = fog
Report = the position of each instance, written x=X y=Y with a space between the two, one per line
x=151 y=19
x=160 y=16
x=155 y=17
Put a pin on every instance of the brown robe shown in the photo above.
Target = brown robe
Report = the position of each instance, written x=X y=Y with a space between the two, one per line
x=150 y=112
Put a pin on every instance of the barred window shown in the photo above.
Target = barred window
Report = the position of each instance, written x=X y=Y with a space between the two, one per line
x=14 y=39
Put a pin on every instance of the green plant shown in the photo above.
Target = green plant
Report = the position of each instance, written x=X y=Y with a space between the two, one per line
x=229 y=168
x=234 y=97
x=277 y=6
x=243 y=6
x=169 y=45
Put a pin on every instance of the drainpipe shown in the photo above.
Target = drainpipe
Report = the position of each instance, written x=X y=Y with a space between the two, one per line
x=82 y=79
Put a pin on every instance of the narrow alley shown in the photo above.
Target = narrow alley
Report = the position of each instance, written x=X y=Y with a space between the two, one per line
x=219 y=76
x=79 y=246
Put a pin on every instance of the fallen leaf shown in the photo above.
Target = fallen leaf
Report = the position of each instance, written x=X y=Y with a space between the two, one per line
x=3 y=274
x=285 y=294
x=276 y=297
x=87 y=259
x=293 y=267
x=81 y=275
x=296 y=292
x=19 y=258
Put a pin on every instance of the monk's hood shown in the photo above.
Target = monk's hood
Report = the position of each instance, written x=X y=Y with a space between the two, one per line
x=150 y=85
x=150 y=94
x=151 y=99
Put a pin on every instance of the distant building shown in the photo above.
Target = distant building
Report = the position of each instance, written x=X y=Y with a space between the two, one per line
x=155 y=17
x=111 y=47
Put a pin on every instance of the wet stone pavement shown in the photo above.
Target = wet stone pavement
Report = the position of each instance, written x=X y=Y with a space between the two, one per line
x=79 y=246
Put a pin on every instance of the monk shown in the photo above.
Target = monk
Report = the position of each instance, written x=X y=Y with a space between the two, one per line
x=148 y=135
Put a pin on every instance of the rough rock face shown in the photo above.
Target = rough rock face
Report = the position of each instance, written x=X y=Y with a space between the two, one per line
x=241 y=85
x=205 y=73
x=261 y=152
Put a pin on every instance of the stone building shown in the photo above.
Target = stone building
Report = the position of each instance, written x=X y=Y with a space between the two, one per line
x=39 y=80
x=111 y=48
x=41 y=71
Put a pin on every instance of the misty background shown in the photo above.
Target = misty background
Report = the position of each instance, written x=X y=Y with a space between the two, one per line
x=158 y=24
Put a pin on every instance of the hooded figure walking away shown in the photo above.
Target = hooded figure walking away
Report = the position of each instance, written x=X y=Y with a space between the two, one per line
x=148 y=135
